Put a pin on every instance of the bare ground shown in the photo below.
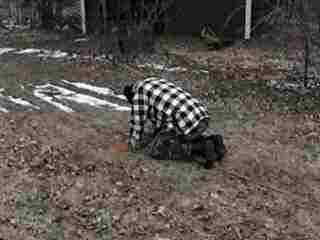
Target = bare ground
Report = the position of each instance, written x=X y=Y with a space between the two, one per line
x=62 y=181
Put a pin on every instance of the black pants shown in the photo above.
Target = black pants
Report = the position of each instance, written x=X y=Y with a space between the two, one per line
x=167 y=144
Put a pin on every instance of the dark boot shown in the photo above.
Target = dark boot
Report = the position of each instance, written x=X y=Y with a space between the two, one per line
x=205 y=148
x=220 y=148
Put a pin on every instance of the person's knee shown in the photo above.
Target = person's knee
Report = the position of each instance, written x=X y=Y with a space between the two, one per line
x=168 y=145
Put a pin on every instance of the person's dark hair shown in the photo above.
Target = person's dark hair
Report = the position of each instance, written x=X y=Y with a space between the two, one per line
x=128 y=92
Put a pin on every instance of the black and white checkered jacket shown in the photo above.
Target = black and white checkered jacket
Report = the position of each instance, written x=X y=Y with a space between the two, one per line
x=166 y=106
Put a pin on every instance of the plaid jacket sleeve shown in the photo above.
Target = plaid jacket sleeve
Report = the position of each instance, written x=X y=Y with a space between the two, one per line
x=139 y=113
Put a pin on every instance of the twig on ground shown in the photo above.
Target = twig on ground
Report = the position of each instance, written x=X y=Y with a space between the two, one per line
x=237 y=231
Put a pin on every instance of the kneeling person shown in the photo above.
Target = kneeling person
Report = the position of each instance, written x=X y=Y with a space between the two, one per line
x=181 y=122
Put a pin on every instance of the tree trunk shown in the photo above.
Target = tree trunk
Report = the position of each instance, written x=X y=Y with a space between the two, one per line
x=46 y=14
x=248 y=19
x=83 y=17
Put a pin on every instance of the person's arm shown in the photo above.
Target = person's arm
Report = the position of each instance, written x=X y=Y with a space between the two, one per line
x=138 y=117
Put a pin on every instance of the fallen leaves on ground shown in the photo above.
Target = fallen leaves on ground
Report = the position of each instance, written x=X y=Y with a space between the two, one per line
x=60 y=177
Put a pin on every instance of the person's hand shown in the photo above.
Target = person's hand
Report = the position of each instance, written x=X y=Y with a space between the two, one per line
x=134 y=147
x=119 y=147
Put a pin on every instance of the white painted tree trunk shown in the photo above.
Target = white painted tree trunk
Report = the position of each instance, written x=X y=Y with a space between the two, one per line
x=247 y=34
x=83 y=16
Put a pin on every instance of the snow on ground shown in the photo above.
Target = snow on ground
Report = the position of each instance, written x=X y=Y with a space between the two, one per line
x=40 y=93
x=81 y=40
x=19 y=101
x=162 y=67
x=41 y=52
x=28 y=51
x=22 y=102
x=53 y=54
x=3 y=110
x=45 y=53
x=99 y=90
x=65 y=94
x=294 y=86
x=51 y=94
x=6 y=50
x=204 y=71
x=10 y=24
x=58 y=54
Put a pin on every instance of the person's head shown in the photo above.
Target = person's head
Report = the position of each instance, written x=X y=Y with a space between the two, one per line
x=128 y=92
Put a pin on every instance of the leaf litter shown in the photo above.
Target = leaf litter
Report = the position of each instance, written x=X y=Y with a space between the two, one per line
x=263 y=188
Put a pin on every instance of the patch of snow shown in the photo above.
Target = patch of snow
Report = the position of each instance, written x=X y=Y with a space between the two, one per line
x=162 y=67
x=82 y=98
x=101 y=58
x=52 y=54
x=59 y=54
x=6 y=50
x=44 y=53
x=273 y=83
x=289 y=86
x=21 y=102
x=87 y=57
x=110 y=56
x=38 y=92
x=81 y=40
x=150 y=65
x=28 y=51
x=201 y=71
x=99 y=90
x=1 y=90
x=3 y=110
x=66 y=94
x=176 y=69
x=123 y=97
x=285 y=85
x=11 y=25
x=73 y=56
x=152 y=78
x=92 y=101
x=21 y=27
x=204 y=71
x=123 y=109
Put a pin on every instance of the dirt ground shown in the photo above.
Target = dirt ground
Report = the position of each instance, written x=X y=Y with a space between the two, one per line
x=61 y=180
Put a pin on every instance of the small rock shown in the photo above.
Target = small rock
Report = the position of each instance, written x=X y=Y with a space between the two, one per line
x=36 y=162
x=186 y=202
x=303 y=218
x=198 y=207
x=160 y=238
x=119 y=183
